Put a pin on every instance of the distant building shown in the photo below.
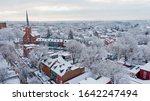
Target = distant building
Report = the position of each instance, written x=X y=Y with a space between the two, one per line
x=3 y=25
x=58 y=44
x=108 y=41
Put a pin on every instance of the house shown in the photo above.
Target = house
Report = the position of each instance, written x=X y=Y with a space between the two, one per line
x=83 y=76
x=124 y=63
x=108 y=41
x=65 y=55
x=28 y=38
x=3 y=25
x=52 y=43
x=60 y=70
x=27 y=48
x=145 y=72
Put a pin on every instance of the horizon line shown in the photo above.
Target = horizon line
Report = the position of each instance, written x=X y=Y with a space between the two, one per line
x=75 y=20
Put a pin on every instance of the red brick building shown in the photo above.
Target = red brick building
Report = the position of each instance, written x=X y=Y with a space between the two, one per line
x=3 y=25
x=28 y=38
x=60 y=70
x=27 y=48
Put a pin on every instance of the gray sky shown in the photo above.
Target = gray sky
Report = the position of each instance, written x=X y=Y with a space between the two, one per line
x=60 y=10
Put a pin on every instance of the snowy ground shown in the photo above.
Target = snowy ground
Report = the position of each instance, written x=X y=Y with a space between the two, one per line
x=11 y=77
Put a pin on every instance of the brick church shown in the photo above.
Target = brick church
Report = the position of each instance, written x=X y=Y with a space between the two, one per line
x=29 y=41
x=28 y=38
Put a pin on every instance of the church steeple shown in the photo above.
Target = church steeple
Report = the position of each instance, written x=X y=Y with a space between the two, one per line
x=27 y=19
x=27 y=28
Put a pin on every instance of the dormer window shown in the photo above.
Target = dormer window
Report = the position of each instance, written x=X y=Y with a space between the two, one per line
x=69 y=67
x=45 y=60
x=61 y=71
x=55 y=67
x=49 y=63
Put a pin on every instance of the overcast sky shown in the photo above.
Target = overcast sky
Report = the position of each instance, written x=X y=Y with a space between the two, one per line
x=60 y=10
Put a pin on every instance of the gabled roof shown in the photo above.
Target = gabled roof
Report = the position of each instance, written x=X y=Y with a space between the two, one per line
x=79 y=78
x=62 y=66
x=48 y=62
x=59 y=65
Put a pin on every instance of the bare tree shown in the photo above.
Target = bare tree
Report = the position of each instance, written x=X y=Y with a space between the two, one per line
x=112 y=70
x=37 y=54
x=91 y=55
x=70 y=35
x=23 y=74
x=125 y=46
x=75 y=48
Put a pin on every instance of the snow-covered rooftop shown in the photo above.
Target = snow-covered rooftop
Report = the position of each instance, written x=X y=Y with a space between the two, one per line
x=61 y=53
x=89 y=81
x=59 y=65
x=30 y=45
x=35 y=33
x=79 y=78
x=62 y=66
x=146 y=67
x=135 y=70
x=48 y=62
x=49 y=40
x=104 y=80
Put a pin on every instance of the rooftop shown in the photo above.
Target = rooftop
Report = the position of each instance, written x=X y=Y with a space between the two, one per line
x=79 y=78
x=104 y=80
x=59 y=65
x=49 y=40
x=146 y=67
x=89 y=81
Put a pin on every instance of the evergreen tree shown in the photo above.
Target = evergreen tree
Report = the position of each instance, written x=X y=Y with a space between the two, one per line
x=48 y=33
x=70 y=35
